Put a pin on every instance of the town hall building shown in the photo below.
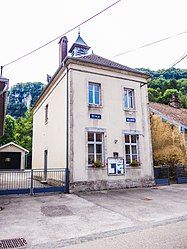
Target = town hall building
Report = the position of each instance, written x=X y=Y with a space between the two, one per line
x=93 y=118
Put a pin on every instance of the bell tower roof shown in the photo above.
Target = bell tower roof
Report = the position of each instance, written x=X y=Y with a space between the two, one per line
x=79 y=47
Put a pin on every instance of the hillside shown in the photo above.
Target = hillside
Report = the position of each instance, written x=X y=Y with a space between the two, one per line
x=165 y=82
x=22 y=96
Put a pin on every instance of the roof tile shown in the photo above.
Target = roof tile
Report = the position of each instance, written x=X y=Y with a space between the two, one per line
x=93 y=58
x=175 y=114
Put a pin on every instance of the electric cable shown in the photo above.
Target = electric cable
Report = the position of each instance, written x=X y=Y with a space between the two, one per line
x=44 y=45
x=149 y=44
x=179 y=60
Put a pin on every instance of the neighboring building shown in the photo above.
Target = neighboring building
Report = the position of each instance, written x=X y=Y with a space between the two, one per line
x=94 y=111
x=172 y=113
x=12 y=157
x=3 y=99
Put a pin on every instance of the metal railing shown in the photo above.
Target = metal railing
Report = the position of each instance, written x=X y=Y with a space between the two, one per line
x=181 y=171
x=161 y=174
x=33 y=181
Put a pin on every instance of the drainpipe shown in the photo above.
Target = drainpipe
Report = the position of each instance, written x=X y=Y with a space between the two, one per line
x=67 y=133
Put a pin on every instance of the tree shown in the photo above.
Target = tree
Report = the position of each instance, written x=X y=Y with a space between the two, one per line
x=23 y=131
x=168 y=94
x=168 y=143
x=153 y=95
x=9 y=133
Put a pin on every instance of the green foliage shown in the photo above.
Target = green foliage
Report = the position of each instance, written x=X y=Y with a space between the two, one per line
x=20 y=132
x=166 y=97
x=134 y=163
x=165 y=82
x=97 y=164
x=9 y=134
x=23 y=131
x=22 y=96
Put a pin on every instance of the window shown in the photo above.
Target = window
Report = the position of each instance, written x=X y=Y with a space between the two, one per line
x=131 y=148
x=129 y=99
x=46 y=113
x=95 y=147
x=94 y=94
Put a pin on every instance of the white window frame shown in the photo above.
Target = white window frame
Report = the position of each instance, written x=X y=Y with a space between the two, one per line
x=129 y=100
x=130 y=144
x=95 y=143
x=94 y=100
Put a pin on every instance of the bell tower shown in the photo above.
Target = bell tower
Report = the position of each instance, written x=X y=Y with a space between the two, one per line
x=79 y=47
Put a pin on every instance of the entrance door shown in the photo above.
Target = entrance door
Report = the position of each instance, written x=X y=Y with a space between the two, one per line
x=45 y=164
x=10 y=160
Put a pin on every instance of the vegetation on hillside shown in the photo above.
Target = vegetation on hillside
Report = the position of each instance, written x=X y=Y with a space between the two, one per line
x=165 y=82
x=22 y=96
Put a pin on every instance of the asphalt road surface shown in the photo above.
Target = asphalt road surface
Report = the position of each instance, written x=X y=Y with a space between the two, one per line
x=170 y=236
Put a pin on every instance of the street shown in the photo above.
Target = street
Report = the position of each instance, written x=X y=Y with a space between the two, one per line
x=128 y=218
x=171 y=236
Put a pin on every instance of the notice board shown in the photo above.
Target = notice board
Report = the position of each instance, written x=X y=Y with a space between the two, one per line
x=115 y=166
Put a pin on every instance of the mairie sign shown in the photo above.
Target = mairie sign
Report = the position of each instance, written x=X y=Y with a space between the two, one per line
x=131 y=120
x=95 y=116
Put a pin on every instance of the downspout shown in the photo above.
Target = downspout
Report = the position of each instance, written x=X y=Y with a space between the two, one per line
x=67 y=133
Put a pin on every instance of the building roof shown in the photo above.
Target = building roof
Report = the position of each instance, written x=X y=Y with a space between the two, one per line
x=15 y=145
x=98 y=60
x=94 y=60
x=176 y=115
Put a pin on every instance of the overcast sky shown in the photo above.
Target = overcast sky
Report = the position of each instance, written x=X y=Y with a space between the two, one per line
x=27 y=24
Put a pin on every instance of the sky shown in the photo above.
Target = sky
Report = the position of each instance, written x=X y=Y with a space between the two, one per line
x=28 y=24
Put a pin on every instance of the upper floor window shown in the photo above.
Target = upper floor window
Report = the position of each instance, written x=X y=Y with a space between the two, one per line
x=46 y=113
x=94 y=94
x=129 y=102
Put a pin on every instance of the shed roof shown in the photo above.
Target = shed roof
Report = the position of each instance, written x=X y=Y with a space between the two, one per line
x=15 y=145
x=178 y=115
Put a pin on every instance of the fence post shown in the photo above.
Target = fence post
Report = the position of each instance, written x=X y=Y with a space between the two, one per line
x=67 y=181
x=31 y=190
x=177 y=173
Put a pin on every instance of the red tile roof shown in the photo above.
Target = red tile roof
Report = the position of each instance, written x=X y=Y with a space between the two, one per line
x=173 y=114
x=95 y=59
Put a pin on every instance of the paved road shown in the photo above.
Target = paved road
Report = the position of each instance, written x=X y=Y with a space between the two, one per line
x=54 y=221
x=171 y=236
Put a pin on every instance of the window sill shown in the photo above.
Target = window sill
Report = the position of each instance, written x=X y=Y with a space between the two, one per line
x=90 y=106
x=131 y=167
x=90 y=167
x=129 y=110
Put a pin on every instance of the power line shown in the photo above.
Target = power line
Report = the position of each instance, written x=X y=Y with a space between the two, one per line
x=75 y=27
x=149 y=44
x=179 y=60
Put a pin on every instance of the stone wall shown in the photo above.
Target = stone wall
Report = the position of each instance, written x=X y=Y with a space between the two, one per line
x=84 y=186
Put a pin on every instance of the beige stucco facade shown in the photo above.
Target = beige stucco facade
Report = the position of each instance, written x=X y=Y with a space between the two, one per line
x=51 y=136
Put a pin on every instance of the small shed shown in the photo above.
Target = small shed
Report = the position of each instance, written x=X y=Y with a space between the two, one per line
x=12 y=157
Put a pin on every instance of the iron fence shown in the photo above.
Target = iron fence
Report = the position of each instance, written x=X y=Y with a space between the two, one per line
x=33 y=181
x=181 y=171
x=161 y=174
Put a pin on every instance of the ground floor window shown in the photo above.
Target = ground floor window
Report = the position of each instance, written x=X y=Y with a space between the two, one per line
x=131 y=149
x=95 y=147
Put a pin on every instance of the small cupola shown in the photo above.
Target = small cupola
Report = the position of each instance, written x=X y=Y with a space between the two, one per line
x=79 y=47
